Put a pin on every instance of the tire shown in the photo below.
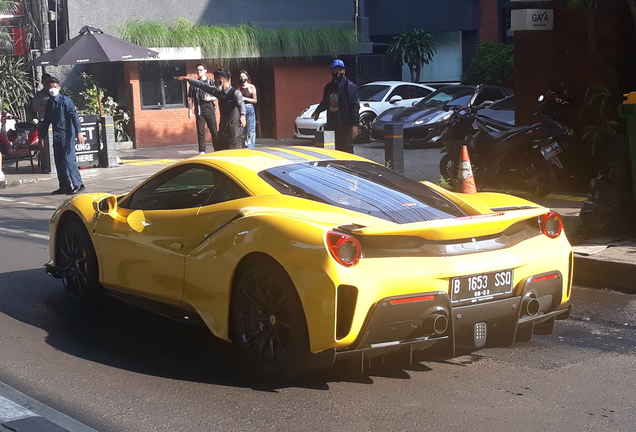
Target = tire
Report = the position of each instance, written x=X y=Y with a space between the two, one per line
x=268 y=325
x=448 y=167
x=78 y=263
x=364 y=129
x=537 y=176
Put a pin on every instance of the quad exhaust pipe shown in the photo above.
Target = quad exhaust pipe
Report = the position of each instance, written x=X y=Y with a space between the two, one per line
x=435 y=324
x=531 y=307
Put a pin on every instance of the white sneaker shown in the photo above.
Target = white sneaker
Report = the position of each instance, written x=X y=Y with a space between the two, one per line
x=201 y=153
x=2 y=175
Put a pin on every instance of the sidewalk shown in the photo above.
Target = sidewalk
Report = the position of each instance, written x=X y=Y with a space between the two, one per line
x=604 y=262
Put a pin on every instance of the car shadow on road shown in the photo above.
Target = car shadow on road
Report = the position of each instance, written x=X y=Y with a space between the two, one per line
x=124 y=336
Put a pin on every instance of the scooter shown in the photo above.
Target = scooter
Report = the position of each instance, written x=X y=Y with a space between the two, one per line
x=516 y=158
x=18 y=139
x=517 y=161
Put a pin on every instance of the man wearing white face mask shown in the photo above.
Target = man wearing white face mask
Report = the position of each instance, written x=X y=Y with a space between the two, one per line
x=60 y=112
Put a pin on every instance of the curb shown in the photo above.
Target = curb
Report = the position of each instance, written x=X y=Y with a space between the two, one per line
x=596 y=273
x=5 y=184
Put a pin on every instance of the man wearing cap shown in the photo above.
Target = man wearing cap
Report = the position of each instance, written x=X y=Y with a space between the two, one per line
x=340 y=99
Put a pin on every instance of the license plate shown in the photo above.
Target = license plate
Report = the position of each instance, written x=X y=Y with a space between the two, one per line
x=481 y=287
x=551 y=150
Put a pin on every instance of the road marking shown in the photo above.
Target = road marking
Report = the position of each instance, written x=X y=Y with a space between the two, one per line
x=12 y=231
x=566 y=197
x=134 y=162
x=28 y=203
x=12 y=411
x=34 y=235
x=39 y=236
x=6 y=199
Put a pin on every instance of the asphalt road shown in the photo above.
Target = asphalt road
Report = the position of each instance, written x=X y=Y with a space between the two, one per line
x=118 y=368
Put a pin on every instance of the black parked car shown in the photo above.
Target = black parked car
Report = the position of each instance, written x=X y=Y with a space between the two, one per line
x=426 y=120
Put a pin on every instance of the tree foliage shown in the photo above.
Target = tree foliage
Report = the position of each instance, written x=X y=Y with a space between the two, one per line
x=16 y=84
x=6 y=42
x=493 y=64
x=415 y=49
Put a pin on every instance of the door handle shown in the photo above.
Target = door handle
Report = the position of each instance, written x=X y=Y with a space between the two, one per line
x=176 y=245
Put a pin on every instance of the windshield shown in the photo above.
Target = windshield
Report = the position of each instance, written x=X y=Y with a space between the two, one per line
x=445 y=95
x=364 y=187
x=373 y=92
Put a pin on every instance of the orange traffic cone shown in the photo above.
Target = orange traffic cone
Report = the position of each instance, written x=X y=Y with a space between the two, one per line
x=465 y=173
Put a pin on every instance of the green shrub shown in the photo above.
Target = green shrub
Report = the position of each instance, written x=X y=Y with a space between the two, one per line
x=493 y=64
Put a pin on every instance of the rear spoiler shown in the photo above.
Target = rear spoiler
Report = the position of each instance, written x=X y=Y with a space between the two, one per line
x=457 y=228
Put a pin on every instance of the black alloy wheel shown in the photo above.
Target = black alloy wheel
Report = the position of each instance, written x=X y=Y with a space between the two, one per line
x=448 y=168
x=78 y=263
x=268 y=324
x=536 y=175
x=364 y=129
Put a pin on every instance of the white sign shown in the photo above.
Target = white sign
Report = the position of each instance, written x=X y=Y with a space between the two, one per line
x=532 y=19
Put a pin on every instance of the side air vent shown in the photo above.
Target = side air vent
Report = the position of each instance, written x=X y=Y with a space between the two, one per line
x=346 y=306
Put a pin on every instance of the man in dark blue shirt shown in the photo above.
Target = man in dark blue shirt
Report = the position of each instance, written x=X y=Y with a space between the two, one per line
x=340 y=99
x=60 y=112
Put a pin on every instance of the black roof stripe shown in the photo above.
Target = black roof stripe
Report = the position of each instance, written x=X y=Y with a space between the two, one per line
x=284 y=155
x=313 y=153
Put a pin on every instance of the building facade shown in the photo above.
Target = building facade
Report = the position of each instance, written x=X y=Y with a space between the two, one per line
x=286 y=85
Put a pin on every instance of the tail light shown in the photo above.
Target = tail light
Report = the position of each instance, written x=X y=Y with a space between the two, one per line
x=551 y=224
x=344 y=248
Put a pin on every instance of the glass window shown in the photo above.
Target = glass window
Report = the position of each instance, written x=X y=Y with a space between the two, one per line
x=363 y=187
x=185 y=186
x=444 y=95
x=158 y=89
x=489 y=94
x=409 y=92
x=372 y=93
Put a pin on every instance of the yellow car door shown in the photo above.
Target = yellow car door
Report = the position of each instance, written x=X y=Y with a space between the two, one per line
x=143 y=247
x=144 y=251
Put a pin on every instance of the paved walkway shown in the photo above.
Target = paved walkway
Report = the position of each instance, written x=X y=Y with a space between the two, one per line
x=604 y=262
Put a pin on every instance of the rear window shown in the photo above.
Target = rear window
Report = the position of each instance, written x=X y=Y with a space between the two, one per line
x=363 y=187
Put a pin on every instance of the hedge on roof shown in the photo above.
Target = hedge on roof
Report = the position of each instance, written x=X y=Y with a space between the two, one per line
x=243 y=41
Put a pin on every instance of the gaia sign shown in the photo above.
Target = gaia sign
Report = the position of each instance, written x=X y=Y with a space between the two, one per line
x=532 y=19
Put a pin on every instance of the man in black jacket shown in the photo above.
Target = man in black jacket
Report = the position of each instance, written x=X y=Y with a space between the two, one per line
x=340 y=99
x=231 y=108
x=202 y=108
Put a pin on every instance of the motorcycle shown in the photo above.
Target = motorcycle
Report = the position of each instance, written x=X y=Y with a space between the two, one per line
x=519 y=157
x=18 y=139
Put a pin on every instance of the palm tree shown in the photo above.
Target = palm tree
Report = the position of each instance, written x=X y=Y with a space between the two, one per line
x=415 y=48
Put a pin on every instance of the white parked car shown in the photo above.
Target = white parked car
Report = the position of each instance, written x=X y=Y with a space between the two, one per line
x=375 y=97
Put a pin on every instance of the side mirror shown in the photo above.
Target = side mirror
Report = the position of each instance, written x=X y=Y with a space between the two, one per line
x=395 y=98
x=106 y=205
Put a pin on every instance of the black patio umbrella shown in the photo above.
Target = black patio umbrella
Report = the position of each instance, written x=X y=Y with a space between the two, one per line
x=92 y=46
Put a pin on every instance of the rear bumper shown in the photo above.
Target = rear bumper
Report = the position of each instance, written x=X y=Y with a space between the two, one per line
x=432 y=321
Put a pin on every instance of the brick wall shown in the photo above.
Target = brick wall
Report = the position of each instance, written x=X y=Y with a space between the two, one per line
x=489 y=21
x=164 y=127
x=297 y=85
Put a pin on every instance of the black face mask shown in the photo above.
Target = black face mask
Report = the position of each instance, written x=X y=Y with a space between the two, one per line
x=243 y=80
x=337 y=76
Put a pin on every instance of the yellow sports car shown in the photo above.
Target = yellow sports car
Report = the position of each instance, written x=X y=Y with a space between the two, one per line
x=298 y=255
